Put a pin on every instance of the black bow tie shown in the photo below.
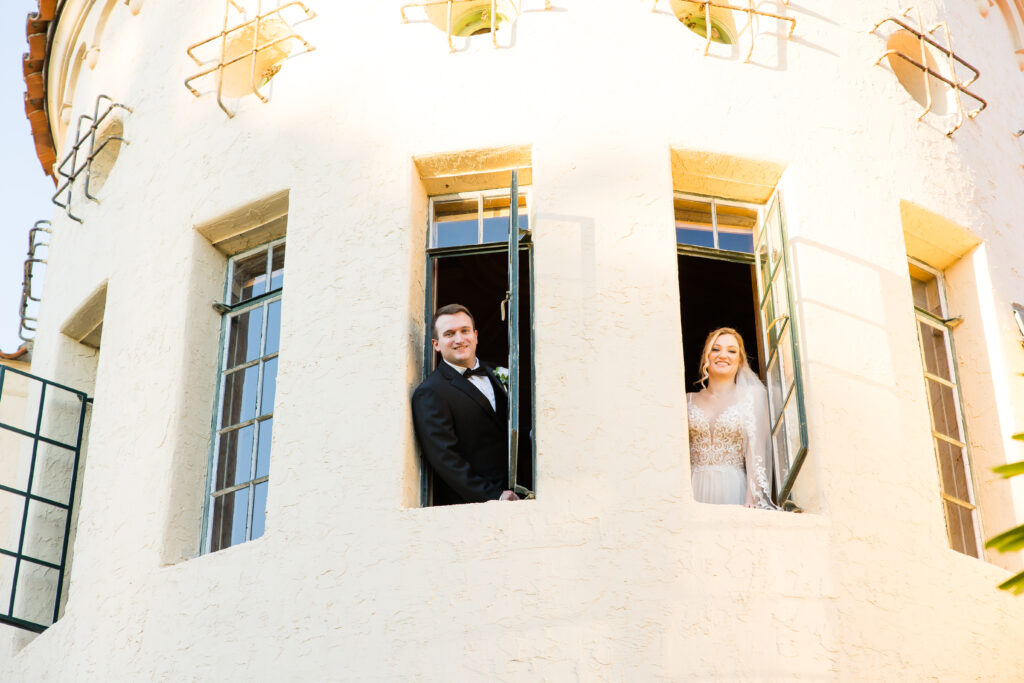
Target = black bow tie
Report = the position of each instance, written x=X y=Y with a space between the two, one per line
x=479 y=370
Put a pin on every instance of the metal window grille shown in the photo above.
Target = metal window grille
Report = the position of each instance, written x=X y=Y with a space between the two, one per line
x=69 y=169
x=41 y=426
x=490 y=17
x=38 y=240
x=945 y=407
x=955 y=64
x=749 y=10
x=272 y=35
x=240 y=461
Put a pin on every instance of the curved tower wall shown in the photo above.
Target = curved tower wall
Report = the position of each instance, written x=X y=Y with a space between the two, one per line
x=614 y=572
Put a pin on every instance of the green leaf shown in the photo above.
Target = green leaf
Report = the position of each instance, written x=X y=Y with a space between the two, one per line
x=1014 y=584
x=1019 y=437
x=1010 y=470
x=1008 y=541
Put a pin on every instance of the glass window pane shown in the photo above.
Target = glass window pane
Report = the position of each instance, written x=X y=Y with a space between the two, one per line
x=277 y=268
x=496 y=217
x=273 y=343
x=18 y=396
x=455 y=222
x=933 y=346
x=52 y=477
x=736 y=227
x=250 y=277
x=12 y=509
x=44 y=531
x=943 y=404
x=239 y=396
x=234 y=457
x=925 y=287
x=229 y=515
x=266 y=428
x=15 y=458
x=693 y=222
x=952 y=470
x=62 y=411
x=269 y=386
x=960 y=524
x=244 y=336
x=37 y=592
x=259 y=509
x=783 y=458
x=794 y=440
x=6 y=580
x=776 y=386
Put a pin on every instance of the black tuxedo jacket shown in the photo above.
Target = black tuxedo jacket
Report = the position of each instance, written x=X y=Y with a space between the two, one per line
x=461 y=436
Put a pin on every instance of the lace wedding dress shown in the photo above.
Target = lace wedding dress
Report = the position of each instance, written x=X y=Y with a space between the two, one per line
x=729 y=445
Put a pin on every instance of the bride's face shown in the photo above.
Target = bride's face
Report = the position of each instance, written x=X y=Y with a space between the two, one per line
x=724 y=357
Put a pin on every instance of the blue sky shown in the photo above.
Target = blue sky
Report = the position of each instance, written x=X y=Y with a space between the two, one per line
x=25 y=190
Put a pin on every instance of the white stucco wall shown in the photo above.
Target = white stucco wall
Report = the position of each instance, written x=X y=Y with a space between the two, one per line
x=614 y=573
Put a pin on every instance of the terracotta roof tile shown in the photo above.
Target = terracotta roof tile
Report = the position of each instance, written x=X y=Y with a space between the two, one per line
x=37 y=27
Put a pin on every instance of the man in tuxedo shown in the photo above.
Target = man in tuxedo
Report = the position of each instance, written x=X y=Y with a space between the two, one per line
x=460 y=413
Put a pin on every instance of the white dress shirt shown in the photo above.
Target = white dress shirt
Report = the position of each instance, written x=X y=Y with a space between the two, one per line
x=480 y=382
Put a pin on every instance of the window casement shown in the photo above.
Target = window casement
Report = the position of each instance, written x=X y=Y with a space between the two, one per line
x=474 y=259
x=742 y=248
x=945 y=406
x=240 y=458
x=41 y=435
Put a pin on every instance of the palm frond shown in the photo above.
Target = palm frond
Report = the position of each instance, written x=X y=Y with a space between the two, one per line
x=1008 y=541
x=1011 y=469
x=1014 y=584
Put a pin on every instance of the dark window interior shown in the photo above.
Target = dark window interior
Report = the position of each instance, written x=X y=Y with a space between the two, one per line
x=713 y=294
x=479 y=282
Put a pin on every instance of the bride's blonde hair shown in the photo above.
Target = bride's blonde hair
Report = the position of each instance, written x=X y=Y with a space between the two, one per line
x=712 y=338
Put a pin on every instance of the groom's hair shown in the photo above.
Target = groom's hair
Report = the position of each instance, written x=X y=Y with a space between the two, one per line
x=450 y=309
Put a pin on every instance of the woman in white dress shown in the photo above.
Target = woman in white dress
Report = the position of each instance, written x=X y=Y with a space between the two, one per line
x=729 y=436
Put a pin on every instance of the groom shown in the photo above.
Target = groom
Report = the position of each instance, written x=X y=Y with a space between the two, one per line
x=460 y=413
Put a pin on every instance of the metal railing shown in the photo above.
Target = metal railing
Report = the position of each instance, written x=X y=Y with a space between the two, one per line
x=69 y=170
x=925 y=40
x=749 y=10
x=223 y=61
x=38 y=238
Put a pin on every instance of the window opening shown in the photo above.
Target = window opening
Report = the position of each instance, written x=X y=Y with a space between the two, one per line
x=925 y=55
x=473 y=265
x=31 y=297
x=741 y=248
x=945 y=407
x=69 y=169
x=38 y=474
x=247 y=53
x=467 y=18
x=714 y=21
x=240 y=463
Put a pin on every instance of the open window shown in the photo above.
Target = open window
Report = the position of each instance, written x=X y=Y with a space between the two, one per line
x=738 y=251
x=475 y=259
x=945 y=407
x=41 y=430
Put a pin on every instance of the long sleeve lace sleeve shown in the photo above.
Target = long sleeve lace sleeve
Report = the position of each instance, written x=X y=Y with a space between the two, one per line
x=757 y=447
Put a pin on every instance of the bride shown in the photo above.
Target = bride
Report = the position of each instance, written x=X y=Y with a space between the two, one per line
x=729 y=435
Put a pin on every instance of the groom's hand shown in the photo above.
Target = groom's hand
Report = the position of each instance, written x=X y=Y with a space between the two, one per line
x=508 y=495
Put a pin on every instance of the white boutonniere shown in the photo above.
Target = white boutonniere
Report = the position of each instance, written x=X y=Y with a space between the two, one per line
x=502 y=375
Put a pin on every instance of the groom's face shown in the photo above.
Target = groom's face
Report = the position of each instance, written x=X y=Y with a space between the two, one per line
x=456 y=339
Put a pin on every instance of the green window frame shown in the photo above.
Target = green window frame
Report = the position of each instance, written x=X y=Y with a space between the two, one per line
x=239 y=464
x=38 y=480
